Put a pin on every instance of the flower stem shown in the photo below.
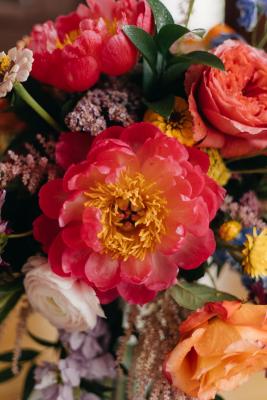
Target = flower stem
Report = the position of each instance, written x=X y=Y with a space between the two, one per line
x=20 y=235
x=190 y=9
x=250 y=171
x=263 y=41
x=25 y=95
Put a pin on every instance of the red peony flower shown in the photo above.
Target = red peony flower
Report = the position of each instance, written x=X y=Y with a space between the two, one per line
x=71 y=53
x=132 y=213
x=229 y=107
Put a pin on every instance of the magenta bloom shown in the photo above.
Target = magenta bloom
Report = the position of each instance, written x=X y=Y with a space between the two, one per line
x=71 y=53
x=131 y=214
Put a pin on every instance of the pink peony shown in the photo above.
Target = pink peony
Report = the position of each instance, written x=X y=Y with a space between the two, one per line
x=229 y=107
x=71 y=53
x=130 y=214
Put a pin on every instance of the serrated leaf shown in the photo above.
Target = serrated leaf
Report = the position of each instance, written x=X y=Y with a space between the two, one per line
x=6 y=374
x=143 y=42
x=163 y=107
x=42 y=342
x=29 y=383
x=9 y=303
x=168 y=35
x=26 y=355
x=161 y=14
x=193 y=295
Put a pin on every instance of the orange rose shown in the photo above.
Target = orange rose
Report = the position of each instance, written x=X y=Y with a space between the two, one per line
x=221 y=345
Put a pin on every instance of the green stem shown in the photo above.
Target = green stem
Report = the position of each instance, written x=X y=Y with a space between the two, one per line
x=263 y=41
x=119 y=392
x=190 y=9
x=211 y=278
x=25 y=95
x=250 y=171
x=20 y=235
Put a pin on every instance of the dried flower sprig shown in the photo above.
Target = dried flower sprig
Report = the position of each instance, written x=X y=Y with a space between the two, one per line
x=101 y=107
x=31 y=168
x=157 y=328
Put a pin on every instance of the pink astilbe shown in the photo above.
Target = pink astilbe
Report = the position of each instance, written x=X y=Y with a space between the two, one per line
x=32 y=168
x=247 y=211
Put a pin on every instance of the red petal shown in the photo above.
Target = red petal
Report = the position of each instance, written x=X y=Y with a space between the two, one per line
x=102 y=271
x=135 y=294
x=51 y=198
x=45 y=230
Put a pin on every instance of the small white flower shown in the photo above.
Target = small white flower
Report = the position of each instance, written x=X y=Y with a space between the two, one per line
x=65 y=302
x=16 y=65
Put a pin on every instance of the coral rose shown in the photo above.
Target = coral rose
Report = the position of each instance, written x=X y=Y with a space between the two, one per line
x=71 y=53
x=131 y=213
x=66 y=303
x=229 y=107
x=221 y=345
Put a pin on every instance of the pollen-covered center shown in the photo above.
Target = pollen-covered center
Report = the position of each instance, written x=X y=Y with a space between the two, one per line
x=5 y=65
x=133 y=213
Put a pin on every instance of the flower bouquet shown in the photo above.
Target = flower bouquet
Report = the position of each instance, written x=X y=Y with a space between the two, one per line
x=133 y=161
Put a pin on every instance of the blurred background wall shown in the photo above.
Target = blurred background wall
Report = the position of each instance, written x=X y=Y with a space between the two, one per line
x=18 y=16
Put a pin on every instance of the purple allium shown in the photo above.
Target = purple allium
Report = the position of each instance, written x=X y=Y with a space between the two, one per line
x=248 y=14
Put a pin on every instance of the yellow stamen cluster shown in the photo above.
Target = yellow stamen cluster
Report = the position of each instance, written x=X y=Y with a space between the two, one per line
x=218 y=170
x=133 y=213
x=69 y=39
x=230 y=230
x=255 y=254
x=5 y=64
x=178 y=126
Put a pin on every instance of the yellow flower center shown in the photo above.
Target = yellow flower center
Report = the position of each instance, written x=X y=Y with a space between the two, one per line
x=111 y=26
x=230 y=230
x=133 y=213
x=218 y=170
x=5 y=64
x=255 y=254
x=69 y=39
x=178 y=126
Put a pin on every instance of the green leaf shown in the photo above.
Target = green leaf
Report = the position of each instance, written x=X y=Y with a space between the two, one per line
x=149 y=79
x=174 y=72
x=217 y=397
x=143 y=42
x=6 y=374
x=11 y=286
x=205 y=58
x=161 y=14
x=26 y=355
x=95 y=387
x=29 y=383
x=168 y=35
x=8 y=302
x=164 y=106
x=199 y=32
x=193 y=295
x=43 y=342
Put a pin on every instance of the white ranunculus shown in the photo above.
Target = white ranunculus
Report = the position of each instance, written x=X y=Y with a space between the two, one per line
x=65 y=302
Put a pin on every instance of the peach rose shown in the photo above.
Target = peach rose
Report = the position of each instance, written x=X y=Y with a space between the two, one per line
x=229 y=108
x=221 y=345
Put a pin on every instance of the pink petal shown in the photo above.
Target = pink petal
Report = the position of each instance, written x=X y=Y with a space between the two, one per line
x=51 y=198
x=55 y=256
x=135 y=294
x=163 y=274
x=72 y=209
x=45 y=230
x=71 y=236
x=102 y=271
x=91 y=227
x=195 y=250
x=136 y=271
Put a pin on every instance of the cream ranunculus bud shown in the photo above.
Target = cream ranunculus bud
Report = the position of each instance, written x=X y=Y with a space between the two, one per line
x=65 y=302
